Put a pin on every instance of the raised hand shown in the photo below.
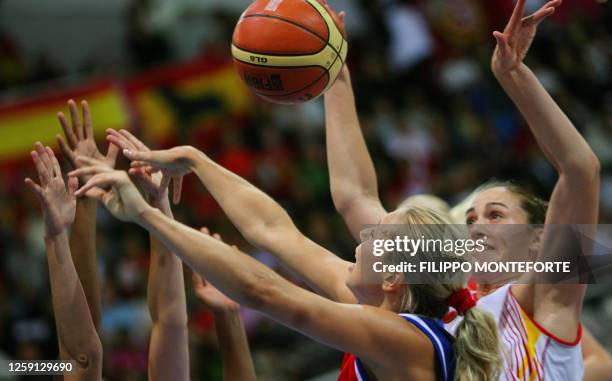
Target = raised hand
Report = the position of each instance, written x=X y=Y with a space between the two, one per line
x=80 y=138
x=208 y=294
x=513 y=44
x=154 y=184
x=122 y=199
x=131 y=145
x=58 y=203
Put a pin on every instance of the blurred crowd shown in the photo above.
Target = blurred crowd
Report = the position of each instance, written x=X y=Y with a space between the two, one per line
x=435 y=121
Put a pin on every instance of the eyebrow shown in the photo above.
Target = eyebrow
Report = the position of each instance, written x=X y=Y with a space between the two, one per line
x=489 y=204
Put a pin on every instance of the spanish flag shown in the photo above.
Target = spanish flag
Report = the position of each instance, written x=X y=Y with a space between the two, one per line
x=27 y=121
x=174 y=103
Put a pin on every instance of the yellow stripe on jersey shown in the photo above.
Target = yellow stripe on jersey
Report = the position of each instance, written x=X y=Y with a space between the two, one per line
x=533 y=334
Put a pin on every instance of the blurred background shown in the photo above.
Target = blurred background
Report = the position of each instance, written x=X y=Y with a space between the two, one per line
x=434 y=118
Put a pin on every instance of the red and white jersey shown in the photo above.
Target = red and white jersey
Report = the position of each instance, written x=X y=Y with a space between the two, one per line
x=529 y=351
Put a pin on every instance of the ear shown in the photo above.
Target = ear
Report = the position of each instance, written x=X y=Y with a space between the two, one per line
x=392 y=282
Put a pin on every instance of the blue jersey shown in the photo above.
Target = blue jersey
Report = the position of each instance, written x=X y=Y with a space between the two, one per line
x=441 y=340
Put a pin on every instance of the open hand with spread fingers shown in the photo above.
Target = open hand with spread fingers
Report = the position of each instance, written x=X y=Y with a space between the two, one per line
x=175 y=162
x=57 y=201
x=209 y=294
x=79 y=138
x=122 y=198
x=513 y=44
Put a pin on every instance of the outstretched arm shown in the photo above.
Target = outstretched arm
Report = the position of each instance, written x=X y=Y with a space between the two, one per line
x=76 y=331
x=79 y=140
x=237 y=361
x=259 y=218
x=379 y=336
x=352 y=175
x=575 y=198
x=169 y=344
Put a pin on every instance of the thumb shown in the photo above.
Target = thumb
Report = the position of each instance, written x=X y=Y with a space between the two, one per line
x=502 y=43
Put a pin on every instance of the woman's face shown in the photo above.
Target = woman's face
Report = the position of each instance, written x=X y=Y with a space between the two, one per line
x=497 y=217
x=362 y=280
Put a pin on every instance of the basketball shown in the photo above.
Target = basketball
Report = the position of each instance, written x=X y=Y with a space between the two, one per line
x=289 y=51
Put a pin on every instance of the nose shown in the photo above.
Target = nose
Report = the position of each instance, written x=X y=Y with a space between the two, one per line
x=477 y=231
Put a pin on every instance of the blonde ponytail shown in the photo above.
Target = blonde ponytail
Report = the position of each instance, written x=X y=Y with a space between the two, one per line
x=477 y=347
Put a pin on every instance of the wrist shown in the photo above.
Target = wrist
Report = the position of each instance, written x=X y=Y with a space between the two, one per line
x=147 y=214
x=55 y=236
x=193 y=157
x=512 y=75
x=227 y=311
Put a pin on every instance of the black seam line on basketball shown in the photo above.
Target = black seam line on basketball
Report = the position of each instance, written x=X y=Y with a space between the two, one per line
x=279 y=67
x=299 y=26
x=280 y=55
x=327 y=27
x=323 y=17
x=329 y=32
x=289 y=22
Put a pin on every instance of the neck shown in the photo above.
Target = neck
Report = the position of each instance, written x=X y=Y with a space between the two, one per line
x=392 y=301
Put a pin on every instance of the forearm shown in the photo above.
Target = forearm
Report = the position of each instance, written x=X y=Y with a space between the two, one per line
x=169 y=346
x=263 y=222
x=166 y=285
x=250 y=210
x=76 y=330
x=351 y=170
x=237 y=361
x=214 y=260
x=83 y=249
x=556 y=135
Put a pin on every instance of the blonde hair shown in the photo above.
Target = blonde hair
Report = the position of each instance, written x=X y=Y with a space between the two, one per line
x=457 y=212
x=477 y=347
x=426 y=201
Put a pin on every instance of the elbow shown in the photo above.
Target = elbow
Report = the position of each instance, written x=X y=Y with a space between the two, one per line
x=345 y=204
x=90 y=357
x=582 y=170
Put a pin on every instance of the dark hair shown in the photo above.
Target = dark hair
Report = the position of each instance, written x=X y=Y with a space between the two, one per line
x=534 y=207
